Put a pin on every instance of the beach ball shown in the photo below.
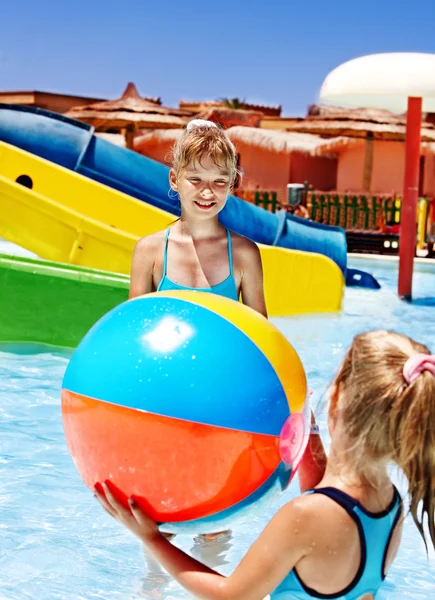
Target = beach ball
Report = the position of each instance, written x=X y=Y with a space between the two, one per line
x=192 y=403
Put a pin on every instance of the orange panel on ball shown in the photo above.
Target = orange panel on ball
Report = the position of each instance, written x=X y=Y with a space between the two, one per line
x=179 y=469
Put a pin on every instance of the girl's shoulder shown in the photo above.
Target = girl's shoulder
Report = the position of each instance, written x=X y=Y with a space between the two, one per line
x=241 y=242
x=151 y=241
x=245 y=250
x=148 y=248
x=319 y=519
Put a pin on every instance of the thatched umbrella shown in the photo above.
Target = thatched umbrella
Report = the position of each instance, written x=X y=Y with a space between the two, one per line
x=377 y=115
x=275 y=141
x=358 y=123
x=128 y=114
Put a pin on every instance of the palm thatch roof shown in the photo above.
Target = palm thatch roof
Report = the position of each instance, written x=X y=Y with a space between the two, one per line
x=338 y=144
x=379 y=131
x=197 y=107
x=338 y=113
x=147 y=138
x=276 y=141
x=129 y=110
x=338 y=122
x=269 y=139
x=231 y=117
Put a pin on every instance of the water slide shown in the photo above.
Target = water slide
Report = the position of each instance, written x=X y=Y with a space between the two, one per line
x=53 y=303
x=73 y=145
x=64 y=216
x=71 y=197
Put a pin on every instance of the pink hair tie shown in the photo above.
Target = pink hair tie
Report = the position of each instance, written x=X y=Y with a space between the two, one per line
x=416 y=364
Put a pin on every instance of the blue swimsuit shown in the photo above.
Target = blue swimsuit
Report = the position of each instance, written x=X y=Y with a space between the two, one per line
x=375 y=532
x=226 y=288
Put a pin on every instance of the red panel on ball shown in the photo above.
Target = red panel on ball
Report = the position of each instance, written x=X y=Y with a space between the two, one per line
x=177 y=470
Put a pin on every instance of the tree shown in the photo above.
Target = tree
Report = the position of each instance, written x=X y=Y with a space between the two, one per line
x=234 y=103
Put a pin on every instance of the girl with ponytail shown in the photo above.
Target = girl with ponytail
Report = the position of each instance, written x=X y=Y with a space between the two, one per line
x=340 y=537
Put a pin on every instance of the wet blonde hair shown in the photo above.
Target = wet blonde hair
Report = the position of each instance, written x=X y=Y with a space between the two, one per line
x=387 y=418
x=203 y=139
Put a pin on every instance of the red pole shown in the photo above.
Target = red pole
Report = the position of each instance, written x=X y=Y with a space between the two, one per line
x=408 y=219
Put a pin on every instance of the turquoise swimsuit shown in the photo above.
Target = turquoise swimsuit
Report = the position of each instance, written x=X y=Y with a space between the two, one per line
x=375 y=532
x=226 y=288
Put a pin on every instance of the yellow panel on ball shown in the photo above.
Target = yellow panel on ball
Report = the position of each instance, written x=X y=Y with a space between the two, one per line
x=270 y=341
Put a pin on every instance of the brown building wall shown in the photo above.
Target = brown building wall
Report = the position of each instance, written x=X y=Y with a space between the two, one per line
x=264 y=170
x=155 y=148
x=387 y=169
x=60 y=103
x=319 y=171
x=429 y=176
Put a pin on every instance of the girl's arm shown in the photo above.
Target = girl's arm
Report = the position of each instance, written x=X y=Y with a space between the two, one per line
x=141 y=272
x=313 y=464
x=252 y=278
x=284 y=541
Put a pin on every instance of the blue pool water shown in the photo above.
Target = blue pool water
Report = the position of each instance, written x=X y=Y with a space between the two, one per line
x=55 y=541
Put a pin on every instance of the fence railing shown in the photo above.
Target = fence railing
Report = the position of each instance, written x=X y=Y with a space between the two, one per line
x=267 y=199
x=359 y=213
x=374 y=213
x=352 y=212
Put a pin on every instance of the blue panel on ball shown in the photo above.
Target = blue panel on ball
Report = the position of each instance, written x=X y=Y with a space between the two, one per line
x=175 y=358
x=256 y=503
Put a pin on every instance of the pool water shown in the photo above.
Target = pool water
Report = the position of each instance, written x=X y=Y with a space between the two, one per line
x=56 y=543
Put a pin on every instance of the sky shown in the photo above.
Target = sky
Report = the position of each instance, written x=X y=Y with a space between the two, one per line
x=274 y=52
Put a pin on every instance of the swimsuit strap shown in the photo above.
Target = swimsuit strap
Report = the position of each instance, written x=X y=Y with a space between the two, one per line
x=230 y=252
x=165 y=252
x=349 y=503
x=341 y=498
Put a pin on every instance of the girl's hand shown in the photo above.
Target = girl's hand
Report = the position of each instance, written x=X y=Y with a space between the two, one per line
x=133 y=518
x=273 y=555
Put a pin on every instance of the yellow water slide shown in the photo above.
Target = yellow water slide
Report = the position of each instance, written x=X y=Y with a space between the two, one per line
x=63 y=216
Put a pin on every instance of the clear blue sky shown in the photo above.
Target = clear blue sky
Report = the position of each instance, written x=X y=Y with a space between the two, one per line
x=268 y=51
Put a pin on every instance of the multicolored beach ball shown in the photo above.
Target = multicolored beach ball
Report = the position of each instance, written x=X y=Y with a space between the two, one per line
x=190 y=402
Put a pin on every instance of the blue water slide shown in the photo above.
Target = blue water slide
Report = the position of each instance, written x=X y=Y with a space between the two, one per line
x=73 y=145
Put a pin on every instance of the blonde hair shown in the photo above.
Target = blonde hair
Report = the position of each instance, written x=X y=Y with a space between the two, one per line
x=204 y=139
x=387 y=418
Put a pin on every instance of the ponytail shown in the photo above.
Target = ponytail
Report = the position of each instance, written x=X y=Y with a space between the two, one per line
x=412 y=439
x=388 y=401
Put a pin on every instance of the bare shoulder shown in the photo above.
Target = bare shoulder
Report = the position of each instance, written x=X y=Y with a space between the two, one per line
x=310 y=522
x=244 y=247
x=305 y=508
x=147 y=246
x=313 y=512
x=151 y=241
x=323 y=520
x=299 y=523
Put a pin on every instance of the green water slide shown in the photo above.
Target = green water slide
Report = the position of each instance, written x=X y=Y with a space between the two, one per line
x=54 y=303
